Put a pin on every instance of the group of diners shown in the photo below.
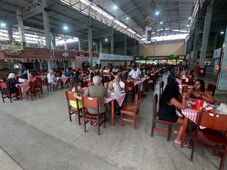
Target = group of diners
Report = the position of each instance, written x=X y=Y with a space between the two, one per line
x=174 y=98
x=55 y=78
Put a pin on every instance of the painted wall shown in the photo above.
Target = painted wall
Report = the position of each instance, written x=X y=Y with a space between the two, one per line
x=162 y=49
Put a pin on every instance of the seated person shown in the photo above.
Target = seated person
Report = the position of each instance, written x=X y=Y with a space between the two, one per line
x=199 y=92
x=172 y=75
x=77 y=92
x=117 y=85
x=99 y=91
x=11 y=83
x=67 y=73
x=34 y=79
x=169 y=102
x=51 y=79
x=135 y=73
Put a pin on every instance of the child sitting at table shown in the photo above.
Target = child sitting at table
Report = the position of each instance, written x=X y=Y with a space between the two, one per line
x=78 y=91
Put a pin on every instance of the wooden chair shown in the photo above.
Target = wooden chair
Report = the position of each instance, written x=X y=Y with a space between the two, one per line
x=156 y=120
x=161 y=87
x=5 y=93
x=33 y=90
x=96 y=119
x=49 y=86
x=73 y=110
x=214 y=137
x=40 y=84
x=211 y=87
x=190 y=81
x=130 y=113
x=183 y=81
x=129 y=89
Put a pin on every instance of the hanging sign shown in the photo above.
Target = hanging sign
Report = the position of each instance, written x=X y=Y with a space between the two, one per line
x=112 y=57
x=12 y=48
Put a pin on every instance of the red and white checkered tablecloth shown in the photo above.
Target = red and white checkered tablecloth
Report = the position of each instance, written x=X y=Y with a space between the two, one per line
x=118 y=97
x=24 y=87
x=190 y=114
x=64 y=79
x=42 y=77
x=140 y=81
x=178 y=81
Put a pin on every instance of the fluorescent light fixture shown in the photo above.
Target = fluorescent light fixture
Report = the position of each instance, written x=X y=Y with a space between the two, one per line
x=114 y=7
x=183 y=31
x=3 y=24
x=106 y=39
x=65 y=28
x=129 y=29
x=104 y=14
x=222 y=32
x=161 y=22
x=157 y=13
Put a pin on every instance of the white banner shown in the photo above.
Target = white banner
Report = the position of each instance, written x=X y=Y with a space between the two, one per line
x=112 y=57
x=217 y=53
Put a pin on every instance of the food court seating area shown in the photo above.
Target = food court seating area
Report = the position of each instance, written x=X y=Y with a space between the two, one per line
x=121 y=147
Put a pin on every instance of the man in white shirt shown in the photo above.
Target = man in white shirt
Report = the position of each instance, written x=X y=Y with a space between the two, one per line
x=51 y=79
x=135 y=73
x=117 y=86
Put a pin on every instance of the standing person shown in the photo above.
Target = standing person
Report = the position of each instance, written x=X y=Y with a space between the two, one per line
x=135 y=73
x=22 y=73
x=99 y=91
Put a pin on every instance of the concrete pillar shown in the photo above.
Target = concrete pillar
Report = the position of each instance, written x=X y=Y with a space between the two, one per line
x=206 y=32
x=53 y=40
x=20 y=26
x=10 y=32
x=79 y=46
x=100 y=46
x=112 y=41
x=125 y=44
x=90 y=40
x=195 y=47
x=215 y=40
x=46 y=24
x=222 y=81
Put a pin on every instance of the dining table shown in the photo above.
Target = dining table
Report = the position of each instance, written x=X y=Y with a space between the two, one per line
x=113 y=98
x=23 y=87
x=190 y=114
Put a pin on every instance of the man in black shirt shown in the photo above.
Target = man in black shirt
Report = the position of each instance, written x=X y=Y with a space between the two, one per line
x=22 y=73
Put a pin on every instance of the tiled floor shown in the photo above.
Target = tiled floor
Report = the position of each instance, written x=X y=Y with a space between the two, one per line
x=38 y=135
